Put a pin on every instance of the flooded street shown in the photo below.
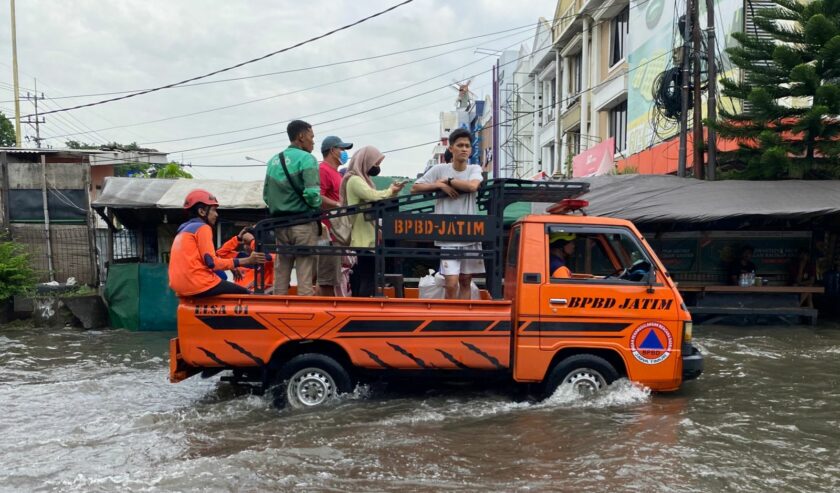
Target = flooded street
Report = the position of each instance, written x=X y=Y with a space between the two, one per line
x=93 y=411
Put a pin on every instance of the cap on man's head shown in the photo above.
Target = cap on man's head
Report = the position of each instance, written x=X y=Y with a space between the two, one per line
x=333 y=141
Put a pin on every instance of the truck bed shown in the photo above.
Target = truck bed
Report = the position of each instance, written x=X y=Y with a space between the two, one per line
x=240 y=331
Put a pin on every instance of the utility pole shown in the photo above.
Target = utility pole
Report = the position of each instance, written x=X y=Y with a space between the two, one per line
x=684 y=91
x=15 y=76
x=712 y=87
x=697 y=148
x=38 y=120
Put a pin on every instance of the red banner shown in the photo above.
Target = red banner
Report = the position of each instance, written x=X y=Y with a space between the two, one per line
x=597 y=160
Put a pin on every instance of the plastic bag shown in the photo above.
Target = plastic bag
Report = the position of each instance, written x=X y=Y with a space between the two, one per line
x=433 y=286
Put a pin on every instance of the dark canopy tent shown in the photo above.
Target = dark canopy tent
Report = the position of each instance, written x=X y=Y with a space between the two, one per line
x=665 y=199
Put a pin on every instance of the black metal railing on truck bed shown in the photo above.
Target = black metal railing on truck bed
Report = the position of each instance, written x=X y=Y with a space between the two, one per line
x=409 y=218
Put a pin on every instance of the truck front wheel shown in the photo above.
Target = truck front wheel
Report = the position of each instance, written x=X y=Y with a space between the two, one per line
x=586 y=374
x=311 y=380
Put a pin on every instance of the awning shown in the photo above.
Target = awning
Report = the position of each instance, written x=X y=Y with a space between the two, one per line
x=664 y=198
x=140 y=202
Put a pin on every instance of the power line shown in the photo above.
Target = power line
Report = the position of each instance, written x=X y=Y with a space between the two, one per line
x=303 y=69
x=322 y=131
x=650 y=60
x=241 y=64
x=332 y=130
x=373 y=109
x=554 y=23
x=296 y=91
x=522 y=115
x=495 y=124
x=389 y=151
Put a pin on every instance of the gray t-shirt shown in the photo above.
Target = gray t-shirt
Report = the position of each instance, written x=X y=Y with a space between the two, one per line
x=464 y=204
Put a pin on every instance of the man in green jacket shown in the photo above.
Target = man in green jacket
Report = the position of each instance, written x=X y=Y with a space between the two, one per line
x=290 y=191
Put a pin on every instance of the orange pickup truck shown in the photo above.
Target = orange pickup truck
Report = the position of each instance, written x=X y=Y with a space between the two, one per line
x=618 y=315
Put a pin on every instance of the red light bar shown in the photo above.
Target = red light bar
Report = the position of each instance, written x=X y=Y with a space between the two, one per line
x=567 y=205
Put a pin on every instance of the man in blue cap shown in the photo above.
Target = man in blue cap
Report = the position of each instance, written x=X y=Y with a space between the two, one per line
x=334 y=151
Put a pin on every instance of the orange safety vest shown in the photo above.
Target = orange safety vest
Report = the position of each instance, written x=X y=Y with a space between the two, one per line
x=248 y=280
x=193 y=259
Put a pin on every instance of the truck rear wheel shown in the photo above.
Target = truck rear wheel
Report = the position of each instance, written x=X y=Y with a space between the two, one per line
x=311 y=380
x=586 y=374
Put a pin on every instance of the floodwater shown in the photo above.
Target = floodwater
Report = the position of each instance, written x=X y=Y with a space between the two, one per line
x=93 y=411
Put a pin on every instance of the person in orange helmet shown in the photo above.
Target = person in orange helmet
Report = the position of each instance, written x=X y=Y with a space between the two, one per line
x=241 y=246
x=193 y=257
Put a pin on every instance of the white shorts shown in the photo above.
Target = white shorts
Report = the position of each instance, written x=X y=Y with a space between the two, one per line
x=457 y=266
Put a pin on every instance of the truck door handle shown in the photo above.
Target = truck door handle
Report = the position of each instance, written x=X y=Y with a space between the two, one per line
x=558 y=301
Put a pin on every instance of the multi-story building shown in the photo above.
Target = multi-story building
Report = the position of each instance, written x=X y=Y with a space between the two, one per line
x=607 y=56
x=590 y=39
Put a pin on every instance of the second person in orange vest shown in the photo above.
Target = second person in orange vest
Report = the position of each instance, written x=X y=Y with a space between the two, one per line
x=241 y=246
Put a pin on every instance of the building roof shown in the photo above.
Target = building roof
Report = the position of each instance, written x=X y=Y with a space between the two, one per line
x=98 y=157
x=139 y=201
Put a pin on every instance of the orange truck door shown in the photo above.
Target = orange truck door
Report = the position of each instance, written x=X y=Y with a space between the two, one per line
x=608 y=302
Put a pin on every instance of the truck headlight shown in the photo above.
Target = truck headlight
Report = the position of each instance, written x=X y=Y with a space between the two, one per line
x=688 y=327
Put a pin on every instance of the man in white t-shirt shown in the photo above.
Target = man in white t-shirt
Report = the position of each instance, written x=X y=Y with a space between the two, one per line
x=460 y=181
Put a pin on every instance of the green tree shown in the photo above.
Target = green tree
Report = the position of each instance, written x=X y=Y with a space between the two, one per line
x=7 y=132
x=138 y=170
x=172 y=170
x=790 y=126
x=16 y=274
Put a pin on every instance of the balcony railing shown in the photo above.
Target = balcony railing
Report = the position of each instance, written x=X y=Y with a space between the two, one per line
x=567 y=17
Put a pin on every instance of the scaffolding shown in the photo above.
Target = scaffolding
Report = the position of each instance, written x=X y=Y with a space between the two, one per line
x=516 y=130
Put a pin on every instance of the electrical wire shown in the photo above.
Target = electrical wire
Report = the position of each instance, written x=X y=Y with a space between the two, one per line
x=169 y=86
x=574 y=96
x=304 y=69
x=495 y=124
x=347 y=116
x=334 y=130
x=241 y=64
x=297 y=91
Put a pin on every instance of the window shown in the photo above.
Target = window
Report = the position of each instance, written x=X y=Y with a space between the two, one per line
x=573 y=142
x=574 y=76
x=618 y=126
x=620 y=28
x=552 y=87
x=513 y=247
x=548 y=101
x=551 y=166
x=605 y=253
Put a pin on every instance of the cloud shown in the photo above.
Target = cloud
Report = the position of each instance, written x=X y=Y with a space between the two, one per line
x=89 y=46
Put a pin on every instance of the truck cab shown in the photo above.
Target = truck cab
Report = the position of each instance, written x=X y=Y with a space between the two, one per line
x=616 y=302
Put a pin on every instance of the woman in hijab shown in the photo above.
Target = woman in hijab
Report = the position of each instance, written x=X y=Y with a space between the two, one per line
x=357 y=188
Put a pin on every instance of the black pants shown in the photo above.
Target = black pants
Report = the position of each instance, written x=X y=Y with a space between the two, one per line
x=363 y=278
x=224 y=287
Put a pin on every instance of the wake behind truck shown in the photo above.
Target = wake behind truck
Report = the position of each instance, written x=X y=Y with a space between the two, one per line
x=619 y=314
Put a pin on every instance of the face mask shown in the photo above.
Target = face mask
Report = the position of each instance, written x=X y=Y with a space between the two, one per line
x=374 y=171
x=343 y=157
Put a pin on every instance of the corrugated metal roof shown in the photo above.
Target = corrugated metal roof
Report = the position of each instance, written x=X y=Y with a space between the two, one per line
x=157 y=193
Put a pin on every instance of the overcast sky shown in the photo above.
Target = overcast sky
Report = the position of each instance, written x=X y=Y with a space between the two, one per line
x=87 y=47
